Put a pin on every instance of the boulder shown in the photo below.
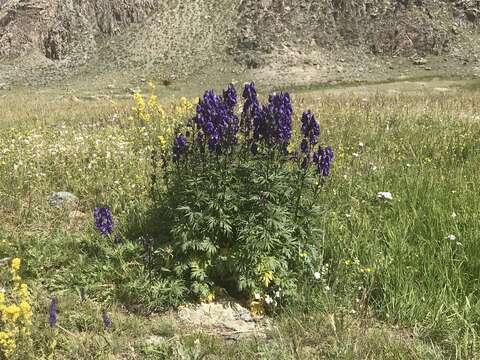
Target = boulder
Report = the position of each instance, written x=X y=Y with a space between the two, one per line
x=62 y=198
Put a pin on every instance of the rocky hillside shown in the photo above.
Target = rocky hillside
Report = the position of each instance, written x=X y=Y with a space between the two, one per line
x=185 y=36
x=384 y=27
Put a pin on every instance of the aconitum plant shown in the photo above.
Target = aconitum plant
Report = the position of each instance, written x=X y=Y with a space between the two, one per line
x=103 y=220
x=239 y=208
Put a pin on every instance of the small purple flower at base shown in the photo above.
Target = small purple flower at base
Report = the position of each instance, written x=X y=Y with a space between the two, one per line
x=322 y=159
x=53 y=312
x=103 y=220
x=107 y=322
x=310 y=128
x=209 y=128
x=117 y=240
x=304 y=146
x=180 y=146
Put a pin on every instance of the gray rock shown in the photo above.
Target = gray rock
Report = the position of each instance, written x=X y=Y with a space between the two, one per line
x=62 y=198
x=154 y=340
x=228 y=318
x=134 y=90
x=420 y=61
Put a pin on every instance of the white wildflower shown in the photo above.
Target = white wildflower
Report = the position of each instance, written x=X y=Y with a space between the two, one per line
x=316 y=275
x=257 y=296
x=385 y=195
x=451 y=237
x=268 y=300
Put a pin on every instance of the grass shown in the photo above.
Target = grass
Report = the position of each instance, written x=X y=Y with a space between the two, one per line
x=396 y=288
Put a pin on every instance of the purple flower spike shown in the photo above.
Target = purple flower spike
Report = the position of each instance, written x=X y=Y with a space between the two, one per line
x=103 y=220
x=180 y=146
x=53 y=312
x=230 y=97
x=216 y=120
x=310 y=128
x=322 y=159
x=107 y=322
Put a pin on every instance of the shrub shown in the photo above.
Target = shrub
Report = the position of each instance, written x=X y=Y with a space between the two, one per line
x=240 y=205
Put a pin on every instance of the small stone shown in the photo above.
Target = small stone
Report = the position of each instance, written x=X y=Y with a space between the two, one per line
x=154 y=340
x=134 y=90
x=62 y=198
x=420 y=61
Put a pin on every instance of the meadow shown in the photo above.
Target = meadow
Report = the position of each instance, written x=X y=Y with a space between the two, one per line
x=397 y=268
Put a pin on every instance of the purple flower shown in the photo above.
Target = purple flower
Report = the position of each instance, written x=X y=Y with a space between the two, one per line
x=272 y=123
x=180 y=146
x=322 y=159
x=230 y=97
x=53 y=312
x=250 y=96
x=107 y=322
x=216 y=119
x=304 y=146
x=310 y=128
x=103 y=220
x=209 y=128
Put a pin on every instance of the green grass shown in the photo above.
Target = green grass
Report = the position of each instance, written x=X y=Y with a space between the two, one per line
x=396 y=288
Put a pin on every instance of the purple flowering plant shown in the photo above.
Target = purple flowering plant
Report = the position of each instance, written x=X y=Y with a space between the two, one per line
x=103 y=220
x=240 y=204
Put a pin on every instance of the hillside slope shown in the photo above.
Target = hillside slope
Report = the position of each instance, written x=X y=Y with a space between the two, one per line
x=62 y=38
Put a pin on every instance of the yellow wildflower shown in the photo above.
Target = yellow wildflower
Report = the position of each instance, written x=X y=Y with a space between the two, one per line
x=11 y=313
x=152 y=101
x=140 y=102
x=162 y=141
x=23 y=291
x=26 y=311
x=209 y=298
x=16 y=264
x=267 y=278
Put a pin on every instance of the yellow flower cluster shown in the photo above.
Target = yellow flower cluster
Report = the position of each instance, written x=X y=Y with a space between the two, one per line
x=16 y=312
x=160 y=123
